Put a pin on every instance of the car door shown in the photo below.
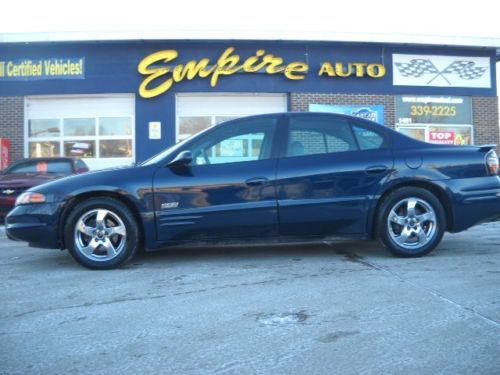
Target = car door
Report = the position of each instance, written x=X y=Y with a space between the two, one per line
x=227 y=192
x=331 y=171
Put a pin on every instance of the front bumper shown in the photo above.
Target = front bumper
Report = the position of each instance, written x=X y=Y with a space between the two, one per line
x=35 y=223
x=6 y=204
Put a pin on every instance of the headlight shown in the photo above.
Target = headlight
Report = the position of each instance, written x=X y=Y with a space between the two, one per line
x=29 y=197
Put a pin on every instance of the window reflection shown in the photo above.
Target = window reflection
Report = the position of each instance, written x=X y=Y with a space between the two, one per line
x=115 y=126
x=79 y=127
x=98 y=137
x=44 y=128
x=83 y=149
x=115 y=148
x=189 y=125
x=44 y=149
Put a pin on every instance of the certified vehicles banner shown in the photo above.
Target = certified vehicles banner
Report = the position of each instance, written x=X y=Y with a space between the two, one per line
x=42 y=68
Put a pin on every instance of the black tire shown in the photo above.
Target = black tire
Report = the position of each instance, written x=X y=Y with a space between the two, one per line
x=107 y=235
x=408 y=232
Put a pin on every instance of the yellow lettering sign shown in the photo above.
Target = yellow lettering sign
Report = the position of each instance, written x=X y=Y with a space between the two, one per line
x=162 y=73
x=375 y=70
x=340 y=70
x=154 y=67
x=155 y=72
x=327 y=68
x=296 y=70
x=358 y=69
x=226 y=65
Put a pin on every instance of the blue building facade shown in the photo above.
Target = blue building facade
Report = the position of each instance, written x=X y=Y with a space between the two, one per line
x=114 y=102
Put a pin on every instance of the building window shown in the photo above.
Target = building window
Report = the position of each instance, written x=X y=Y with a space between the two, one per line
x=97 y=137
x=439 y=134
x=435 y=119
x=190 y=125
x=97 y=128
x=197 y=112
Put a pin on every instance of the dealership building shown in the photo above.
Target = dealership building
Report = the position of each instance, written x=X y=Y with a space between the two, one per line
x=114 y=102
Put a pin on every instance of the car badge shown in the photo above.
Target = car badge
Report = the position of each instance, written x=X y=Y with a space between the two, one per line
x=8 y=191
x=170 y=205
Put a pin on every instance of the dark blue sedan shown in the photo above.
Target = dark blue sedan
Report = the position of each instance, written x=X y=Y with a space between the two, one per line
x=280 y=177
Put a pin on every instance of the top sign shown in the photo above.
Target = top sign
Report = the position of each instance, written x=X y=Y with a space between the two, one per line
x=443 y=137
x=441 y=71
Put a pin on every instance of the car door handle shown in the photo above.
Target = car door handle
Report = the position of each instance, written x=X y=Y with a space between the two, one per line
x=256 y=181
x=376 y=169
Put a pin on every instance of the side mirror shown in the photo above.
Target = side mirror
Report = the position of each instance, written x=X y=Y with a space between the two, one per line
x=183 y=159
x=82 y=170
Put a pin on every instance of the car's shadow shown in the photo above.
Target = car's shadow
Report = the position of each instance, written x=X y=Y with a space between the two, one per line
x=45 y=261
x=351 y=249
x=476 y=241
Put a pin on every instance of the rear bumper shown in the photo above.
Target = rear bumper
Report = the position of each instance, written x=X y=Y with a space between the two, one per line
x=35 y=223
x=475 y=201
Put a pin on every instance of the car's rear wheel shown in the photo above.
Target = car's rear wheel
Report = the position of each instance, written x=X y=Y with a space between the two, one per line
x=101 y=233
x=411 y=222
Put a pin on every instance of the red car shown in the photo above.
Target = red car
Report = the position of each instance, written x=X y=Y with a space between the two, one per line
x=26 y=173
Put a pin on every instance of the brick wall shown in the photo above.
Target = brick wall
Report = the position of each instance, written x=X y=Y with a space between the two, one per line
x=484 y=110
x=300 y=102
x=485 y=117
x=12 y=124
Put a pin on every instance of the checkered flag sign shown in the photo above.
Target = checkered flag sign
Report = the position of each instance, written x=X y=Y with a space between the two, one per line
x=465 y=69
x=416 y=67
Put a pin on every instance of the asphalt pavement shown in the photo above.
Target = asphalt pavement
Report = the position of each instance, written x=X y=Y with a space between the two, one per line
x=333 y=308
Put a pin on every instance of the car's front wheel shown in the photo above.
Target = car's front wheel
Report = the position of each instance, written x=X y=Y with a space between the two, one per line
x=101 y=233
x=411 y=222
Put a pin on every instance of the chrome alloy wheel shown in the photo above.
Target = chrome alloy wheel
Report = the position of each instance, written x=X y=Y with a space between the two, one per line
x=412 y=223
x=100 y=235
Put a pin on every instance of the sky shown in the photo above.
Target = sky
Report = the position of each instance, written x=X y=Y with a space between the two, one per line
x=476 y=18
x=260 y=19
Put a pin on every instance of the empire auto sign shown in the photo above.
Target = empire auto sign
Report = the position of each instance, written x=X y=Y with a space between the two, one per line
x=162 y=70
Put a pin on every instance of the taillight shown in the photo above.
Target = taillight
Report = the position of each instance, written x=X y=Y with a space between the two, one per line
x=492 y=162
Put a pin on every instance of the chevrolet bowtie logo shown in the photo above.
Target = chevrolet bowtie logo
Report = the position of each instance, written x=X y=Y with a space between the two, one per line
x=8 y=191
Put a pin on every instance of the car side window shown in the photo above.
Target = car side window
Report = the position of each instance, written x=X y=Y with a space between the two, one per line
x=42 y=166
x=80 y=165
x=319 y=135
x=234 y=142
x=368 y=139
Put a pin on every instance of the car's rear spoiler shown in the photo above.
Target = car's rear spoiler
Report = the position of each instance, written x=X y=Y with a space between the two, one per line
x=484 y=148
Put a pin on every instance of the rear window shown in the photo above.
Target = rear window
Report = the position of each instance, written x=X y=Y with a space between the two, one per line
x=368 y=139
x=81 y=165
x=319 y=135
x=42 y=166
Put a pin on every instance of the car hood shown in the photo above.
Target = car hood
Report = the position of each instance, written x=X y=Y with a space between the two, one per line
x=128 y=180
x=26 y=180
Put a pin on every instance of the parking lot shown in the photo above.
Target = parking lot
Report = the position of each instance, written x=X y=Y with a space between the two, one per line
x=331 y=308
